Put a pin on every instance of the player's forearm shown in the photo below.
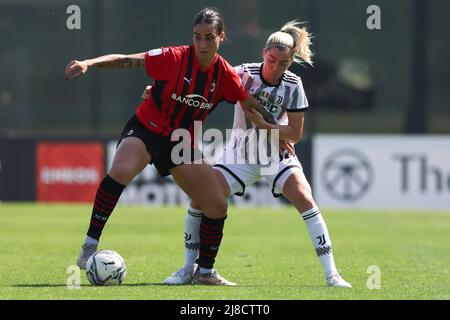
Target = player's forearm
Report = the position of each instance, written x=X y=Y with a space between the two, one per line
x=266 y=115
x=116 y=61
x=252 y=103
x=285 y=132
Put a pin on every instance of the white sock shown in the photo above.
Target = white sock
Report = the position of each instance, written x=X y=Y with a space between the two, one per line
x=191 y=237
x=318 y=233
x=90 y=241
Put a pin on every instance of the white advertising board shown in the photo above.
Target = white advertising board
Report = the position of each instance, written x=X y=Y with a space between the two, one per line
x=382 y=171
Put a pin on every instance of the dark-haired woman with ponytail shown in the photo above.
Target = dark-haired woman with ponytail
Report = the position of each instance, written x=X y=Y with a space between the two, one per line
x=189 y=82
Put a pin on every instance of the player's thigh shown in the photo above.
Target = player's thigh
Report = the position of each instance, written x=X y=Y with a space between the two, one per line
x=200 y=183
x=131 y=158
x=238 y=176
x=223 y=186
x=223 y=183
x=298 y=191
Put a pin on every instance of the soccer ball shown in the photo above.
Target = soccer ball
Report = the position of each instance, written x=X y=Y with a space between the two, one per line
x=106 y=268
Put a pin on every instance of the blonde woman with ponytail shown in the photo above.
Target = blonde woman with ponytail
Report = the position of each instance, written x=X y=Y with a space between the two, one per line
x=282 y=95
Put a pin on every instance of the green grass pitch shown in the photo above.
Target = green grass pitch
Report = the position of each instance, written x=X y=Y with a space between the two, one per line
x=266 y=251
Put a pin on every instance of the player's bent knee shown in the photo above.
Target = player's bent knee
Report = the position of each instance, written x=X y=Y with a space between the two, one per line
x=309 y=203
x=194 y=205
x=301 y=199
x=215 y=208
x=121 y=173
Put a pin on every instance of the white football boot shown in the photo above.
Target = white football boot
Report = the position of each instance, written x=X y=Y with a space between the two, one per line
x=335 y=280
x=213 y=279
x=179 y=277
x=87 y=250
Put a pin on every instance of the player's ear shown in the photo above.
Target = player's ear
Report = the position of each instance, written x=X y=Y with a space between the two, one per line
x=222 y=36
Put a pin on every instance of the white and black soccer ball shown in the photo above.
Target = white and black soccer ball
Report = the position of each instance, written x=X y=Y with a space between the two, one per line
x=106 y=268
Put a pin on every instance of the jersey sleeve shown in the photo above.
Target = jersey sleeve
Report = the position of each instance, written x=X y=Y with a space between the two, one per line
x=299 y=102
x=239 y=70
x=234 y=90
x=160 y=63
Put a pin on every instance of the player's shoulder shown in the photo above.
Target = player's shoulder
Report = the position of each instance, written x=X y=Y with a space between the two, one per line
x=183 y=49
x=226 y=66
x=253 y=68
x=168 y=51
x=229 y=69
x=291 y=78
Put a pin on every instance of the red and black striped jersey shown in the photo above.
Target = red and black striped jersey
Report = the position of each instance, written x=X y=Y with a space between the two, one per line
x=183 y=91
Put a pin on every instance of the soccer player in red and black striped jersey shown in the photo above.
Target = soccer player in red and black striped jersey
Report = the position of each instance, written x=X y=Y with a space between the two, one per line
x=189 y=82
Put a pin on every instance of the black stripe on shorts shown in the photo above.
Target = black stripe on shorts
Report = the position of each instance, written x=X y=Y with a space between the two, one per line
x=240 y=194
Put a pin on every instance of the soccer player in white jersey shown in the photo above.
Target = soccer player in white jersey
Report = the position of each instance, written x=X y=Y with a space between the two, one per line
x=282 y=95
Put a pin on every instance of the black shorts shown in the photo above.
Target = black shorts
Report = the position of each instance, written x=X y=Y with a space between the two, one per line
x=159 y=147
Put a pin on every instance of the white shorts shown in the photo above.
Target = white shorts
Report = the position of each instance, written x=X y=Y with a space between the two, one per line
x=239 y=176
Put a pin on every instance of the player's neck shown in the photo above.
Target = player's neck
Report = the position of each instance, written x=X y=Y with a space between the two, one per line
x=269 y=78
x=206 y=62
x=271 y=81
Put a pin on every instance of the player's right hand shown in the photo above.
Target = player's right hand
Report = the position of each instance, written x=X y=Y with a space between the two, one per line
x=287 y=146
x=75 y=69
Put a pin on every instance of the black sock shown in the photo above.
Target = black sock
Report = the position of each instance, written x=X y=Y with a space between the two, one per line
x=211 y=232
x=108 y=194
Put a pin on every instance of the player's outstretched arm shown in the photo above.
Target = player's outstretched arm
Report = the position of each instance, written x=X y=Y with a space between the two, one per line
x=111 y=61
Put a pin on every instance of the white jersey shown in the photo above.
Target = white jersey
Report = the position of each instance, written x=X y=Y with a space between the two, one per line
x=288 y=96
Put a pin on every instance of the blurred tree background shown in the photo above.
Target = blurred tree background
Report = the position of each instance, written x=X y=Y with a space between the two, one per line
x=392 y=80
